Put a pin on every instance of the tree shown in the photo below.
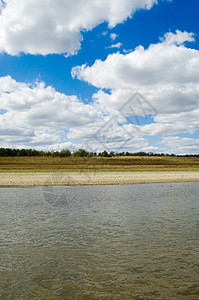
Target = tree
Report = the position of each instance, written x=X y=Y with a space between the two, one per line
x=65 y=153
x=81 y=153
x=55 y=153
x=112 y=153
x=105 y=154
x=22 y=152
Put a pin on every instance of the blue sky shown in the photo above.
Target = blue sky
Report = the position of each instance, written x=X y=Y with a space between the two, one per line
x=66 y=70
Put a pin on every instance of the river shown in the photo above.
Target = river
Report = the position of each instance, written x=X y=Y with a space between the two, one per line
x=100 y=242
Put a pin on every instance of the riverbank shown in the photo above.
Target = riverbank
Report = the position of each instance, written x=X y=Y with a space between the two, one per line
x=94 y=178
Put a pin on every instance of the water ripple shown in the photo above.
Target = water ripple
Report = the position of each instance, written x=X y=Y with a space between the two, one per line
x=100 y=242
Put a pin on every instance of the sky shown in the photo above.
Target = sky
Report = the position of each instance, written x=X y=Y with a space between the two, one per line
x=115 y=75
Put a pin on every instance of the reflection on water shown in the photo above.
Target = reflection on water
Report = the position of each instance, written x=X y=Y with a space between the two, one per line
x=100 y=242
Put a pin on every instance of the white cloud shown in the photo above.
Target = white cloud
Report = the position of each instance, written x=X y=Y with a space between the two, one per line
x=181 y=146
x=110 y=135
x=48 y=26
x=113 y=36
x=61 y=146
x=42 y=105
x=118 y=45
x=143 y=68
x=38 y=115
x=166 y=74
x=179 y=38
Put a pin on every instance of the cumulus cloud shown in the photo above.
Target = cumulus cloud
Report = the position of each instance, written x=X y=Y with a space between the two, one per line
x=144 y=67
x=180 y=145
x=166 y=74
x=48 y=26
x=36 y=101
x=179 y=38
x=36 y=114
x=109 y=135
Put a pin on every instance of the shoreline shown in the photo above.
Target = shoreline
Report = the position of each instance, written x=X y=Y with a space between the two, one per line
x=13 y=179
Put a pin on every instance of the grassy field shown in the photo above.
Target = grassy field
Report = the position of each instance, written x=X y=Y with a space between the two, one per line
x=130 y=163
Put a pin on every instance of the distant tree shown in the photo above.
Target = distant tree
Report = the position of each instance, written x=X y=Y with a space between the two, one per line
x=105 y=154
x=55 y=153
x=14 y=152
x=112 y=153
x=2 y=152
x=22 y=152
x=5 y=152
x=65 y=153
x=81 y=153
x=90 y=154
x=35 y=153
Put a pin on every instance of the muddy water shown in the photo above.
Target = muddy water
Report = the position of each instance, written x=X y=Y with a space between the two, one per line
x=100 y=242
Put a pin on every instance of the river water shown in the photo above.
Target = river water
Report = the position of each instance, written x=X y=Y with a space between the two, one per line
x=100 y=242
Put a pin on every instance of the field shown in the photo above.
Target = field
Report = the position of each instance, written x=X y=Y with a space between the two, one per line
x=97 y=164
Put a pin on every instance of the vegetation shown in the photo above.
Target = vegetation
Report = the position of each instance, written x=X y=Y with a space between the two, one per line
x=7 y=152
x=30 y=160
x=98 y=163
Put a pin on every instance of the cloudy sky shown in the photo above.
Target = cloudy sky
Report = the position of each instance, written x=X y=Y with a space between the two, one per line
x=119 y=75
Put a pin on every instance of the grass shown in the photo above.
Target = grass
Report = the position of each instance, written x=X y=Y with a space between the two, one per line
x=97 y=164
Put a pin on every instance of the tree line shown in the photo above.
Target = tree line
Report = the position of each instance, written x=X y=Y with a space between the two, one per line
x=7 y=152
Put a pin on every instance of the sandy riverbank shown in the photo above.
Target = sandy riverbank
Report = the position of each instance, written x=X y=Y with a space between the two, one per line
x=91 y=178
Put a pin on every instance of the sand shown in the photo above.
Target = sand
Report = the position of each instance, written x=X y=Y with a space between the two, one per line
x=92 y=178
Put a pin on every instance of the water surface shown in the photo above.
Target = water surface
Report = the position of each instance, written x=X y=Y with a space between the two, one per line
x=100 y=242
